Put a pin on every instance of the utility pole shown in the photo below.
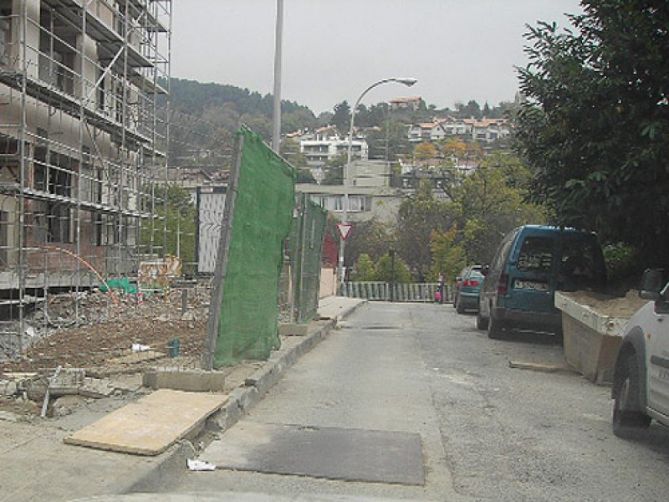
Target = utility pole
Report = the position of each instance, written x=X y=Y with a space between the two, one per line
x=276 y=118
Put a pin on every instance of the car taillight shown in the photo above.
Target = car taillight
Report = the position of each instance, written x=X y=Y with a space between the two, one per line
x=503 y=284
x=470 y=283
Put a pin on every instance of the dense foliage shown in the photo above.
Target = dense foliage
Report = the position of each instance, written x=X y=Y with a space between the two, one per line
x=595 y=127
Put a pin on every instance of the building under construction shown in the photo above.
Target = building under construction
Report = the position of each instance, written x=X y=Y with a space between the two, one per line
x=84 y=129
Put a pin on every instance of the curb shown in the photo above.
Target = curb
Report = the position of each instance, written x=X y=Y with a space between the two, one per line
x=240 y=401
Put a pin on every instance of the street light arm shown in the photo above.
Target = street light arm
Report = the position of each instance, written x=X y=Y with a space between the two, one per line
x=406 y=81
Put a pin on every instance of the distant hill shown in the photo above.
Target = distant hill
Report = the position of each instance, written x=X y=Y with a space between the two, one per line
x=204 y=116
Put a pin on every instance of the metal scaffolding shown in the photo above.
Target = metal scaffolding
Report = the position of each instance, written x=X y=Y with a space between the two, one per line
x=84 y=129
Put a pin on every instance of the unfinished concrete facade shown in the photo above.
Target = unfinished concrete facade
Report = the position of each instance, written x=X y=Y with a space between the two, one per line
x=84 y=129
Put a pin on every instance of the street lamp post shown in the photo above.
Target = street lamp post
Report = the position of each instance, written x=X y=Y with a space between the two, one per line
x=404 y=81
x=276 y=114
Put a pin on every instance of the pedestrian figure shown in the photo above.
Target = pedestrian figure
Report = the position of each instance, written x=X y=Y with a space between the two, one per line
x=441 y=288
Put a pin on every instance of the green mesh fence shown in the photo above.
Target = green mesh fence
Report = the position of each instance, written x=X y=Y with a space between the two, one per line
x=306 y=245
x=258 y=223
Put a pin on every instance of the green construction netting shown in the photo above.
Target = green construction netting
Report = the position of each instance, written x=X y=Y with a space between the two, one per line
x=263 y=213
x=306 y=249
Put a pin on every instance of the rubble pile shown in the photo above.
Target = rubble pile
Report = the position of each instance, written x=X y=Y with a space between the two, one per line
x=88 y=329
x=24 y=394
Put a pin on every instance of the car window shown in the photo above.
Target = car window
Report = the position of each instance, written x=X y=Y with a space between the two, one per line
x=536 y=254
x=475 y=274
x=503 y=252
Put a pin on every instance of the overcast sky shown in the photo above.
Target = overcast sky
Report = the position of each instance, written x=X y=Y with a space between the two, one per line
x=333 y=49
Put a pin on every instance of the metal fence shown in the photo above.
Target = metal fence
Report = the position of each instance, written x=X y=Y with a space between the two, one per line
x=384 y=291
x=257 y=219
x=306 y=251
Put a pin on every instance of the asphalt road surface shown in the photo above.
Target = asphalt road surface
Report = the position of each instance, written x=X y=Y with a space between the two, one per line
x=488 y=432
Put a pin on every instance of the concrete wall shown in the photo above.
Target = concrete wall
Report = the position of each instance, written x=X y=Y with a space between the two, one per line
x=328 y=282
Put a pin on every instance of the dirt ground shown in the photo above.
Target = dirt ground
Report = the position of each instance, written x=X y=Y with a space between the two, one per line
x=108 y=327
x=621 y=307
x=98 y=345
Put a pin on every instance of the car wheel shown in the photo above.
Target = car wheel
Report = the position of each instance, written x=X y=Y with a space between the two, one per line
x=495 y=328
x=628 y=418
x=481 y=322
x=458 y=307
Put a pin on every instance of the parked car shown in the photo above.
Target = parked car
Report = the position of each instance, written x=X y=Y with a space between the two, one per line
x=467 y=289
x=531 y=263
x=640 y=389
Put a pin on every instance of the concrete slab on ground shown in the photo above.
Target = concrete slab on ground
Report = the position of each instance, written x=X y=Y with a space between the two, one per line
x=338 y=307
x=186 y=380
x=150 y=425
x=322 y=452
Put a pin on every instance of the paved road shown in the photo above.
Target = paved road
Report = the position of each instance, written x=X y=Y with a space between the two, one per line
x=489 y=432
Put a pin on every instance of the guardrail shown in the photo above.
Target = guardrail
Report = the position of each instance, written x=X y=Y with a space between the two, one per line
x=384 y=291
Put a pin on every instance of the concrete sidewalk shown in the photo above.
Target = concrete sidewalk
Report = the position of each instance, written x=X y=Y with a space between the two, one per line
x=37 y=465
x=338 y=307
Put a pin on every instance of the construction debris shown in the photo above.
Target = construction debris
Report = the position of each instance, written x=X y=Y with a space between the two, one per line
x=107 y=331
x=199 y=465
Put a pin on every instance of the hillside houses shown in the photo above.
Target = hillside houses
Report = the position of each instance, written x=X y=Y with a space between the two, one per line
x=484 y=130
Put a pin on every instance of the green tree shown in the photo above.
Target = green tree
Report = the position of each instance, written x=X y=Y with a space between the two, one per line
x=365 y=269
x=488 y=207
x=419 y=215
x=471 y=109
x=595 y=127
x=342 y=117
x=370 y=237
x=389 y=270
x=448 y=257
x=389 y=139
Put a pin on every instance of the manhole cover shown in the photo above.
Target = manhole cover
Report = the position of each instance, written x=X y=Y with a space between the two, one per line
x=322 y=452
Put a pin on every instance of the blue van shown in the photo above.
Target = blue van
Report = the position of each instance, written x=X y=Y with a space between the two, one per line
x=530 y=264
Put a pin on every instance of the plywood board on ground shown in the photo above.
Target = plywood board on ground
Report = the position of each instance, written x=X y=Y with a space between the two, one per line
x=150 y=425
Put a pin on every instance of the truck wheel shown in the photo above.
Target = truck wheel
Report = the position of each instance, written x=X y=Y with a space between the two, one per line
x=495 y=328
x=481 y=322
x=628 y=418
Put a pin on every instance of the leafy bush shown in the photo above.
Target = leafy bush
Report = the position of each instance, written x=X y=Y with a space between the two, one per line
x=621 y=262
x=365 y=270
x=385 y=271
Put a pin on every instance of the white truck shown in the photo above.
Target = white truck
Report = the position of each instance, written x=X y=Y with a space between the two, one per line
x=641 y=376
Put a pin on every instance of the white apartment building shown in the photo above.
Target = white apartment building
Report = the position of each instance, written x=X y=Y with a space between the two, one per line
x=319 y=148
